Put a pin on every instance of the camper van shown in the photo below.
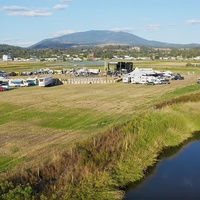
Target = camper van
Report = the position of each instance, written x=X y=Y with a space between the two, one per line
x=46 y=81
x=18 y=83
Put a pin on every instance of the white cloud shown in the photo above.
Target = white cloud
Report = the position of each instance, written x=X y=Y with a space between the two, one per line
x=10 y=40
x=13 y=8
x=193 y=21
x=60 y=7
x=124 y=29
x=16 y=42
x=31 y=13
x=153 y=27
x=63 y=32
x=23 y=11
x=24 y=44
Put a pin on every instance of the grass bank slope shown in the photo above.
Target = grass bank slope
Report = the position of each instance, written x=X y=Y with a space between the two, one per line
x=101 y=167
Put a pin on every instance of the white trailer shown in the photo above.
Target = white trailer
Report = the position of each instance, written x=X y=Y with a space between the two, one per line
x=46 y=81
x=18 y=83
x=142 y=79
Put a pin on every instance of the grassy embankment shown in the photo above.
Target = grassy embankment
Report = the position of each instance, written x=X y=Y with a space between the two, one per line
x=126 y=130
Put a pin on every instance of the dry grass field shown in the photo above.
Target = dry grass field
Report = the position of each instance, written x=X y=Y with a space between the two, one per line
x=38 y=123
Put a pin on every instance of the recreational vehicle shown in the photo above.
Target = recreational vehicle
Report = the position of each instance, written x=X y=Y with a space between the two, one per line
x=46 y=81
x=18 y=83
x=142 y=79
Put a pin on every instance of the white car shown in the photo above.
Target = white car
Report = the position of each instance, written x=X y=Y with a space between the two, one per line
x=5 y=85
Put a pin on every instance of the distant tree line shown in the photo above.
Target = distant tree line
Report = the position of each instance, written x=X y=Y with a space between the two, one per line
x=102 y=52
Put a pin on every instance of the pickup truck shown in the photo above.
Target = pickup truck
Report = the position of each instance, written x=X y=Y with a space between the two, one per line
x=177 y=77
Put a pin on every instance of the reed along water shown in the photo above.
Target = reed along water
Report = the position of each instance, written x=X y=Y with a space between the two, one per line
x=176 y=176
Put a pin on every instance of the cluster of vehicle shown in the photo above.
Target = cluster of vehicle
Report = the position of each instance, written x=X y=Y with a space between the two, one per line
x=34 y=72
x=3 y=81
x=84 y=71
x=7 y=84
x=158 y=81
x=23 y=82
x=3 y=84
x=161 y=80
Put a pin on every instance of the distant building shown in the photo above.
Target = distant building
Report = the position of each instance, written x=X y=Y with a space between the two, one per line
x=7 y=57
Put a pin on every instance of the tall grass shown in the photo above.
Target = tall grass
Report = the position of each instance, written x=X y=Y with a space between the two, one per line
x=183 y=99
x=100 y=167
x=183 y=94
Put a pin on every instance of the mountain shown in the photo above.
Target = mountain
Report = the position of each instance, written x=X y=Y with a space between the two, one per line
x=97 y=37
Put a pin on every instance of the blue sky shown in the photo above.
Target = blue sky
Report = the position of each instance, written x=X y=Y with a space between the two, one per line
x=26 y=22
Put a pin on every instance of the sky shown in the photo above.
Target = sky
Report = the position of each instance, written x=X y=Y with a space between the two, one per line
x=26 y=22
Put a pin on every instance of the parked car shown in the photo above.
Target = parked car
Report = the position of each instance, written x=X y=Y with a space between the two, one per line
x=30 y=82
x=165 y=81
x=1 y=89
x=149 y=83
x=177 y=77
x=5 y=85
x=157 y=82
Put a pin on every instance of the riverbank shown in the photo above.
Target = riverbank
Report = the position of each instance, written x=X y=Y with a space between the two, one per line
x=103 y=166
x=174 y=176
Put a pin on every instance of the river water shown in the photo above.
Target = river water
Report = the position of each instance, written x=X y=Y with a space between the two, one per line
x=176 y=176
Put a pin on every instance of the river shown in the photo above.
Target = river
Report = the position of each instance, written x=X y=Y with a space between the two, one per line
x=176 y=176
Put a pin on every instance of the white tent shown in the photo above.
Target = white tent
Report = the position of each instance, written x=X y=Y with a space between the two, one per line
x=143 y=72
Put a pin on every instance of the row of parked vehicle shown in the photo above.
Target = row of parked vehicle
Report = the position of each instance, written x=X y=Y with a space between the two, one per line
x=162 y=80
x=158 y=81
x=7 y=84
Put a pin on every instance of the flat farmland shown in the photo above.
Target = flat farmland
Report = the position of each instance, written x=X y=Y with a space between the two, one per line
x=37 y=123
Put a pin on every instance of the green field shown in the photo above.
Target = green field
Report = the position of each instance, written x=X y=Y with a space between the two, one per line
x=38 y=124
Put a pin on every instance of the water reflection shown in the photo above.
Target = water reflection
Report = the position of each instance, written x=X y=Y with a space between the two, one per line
x=176 y=176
